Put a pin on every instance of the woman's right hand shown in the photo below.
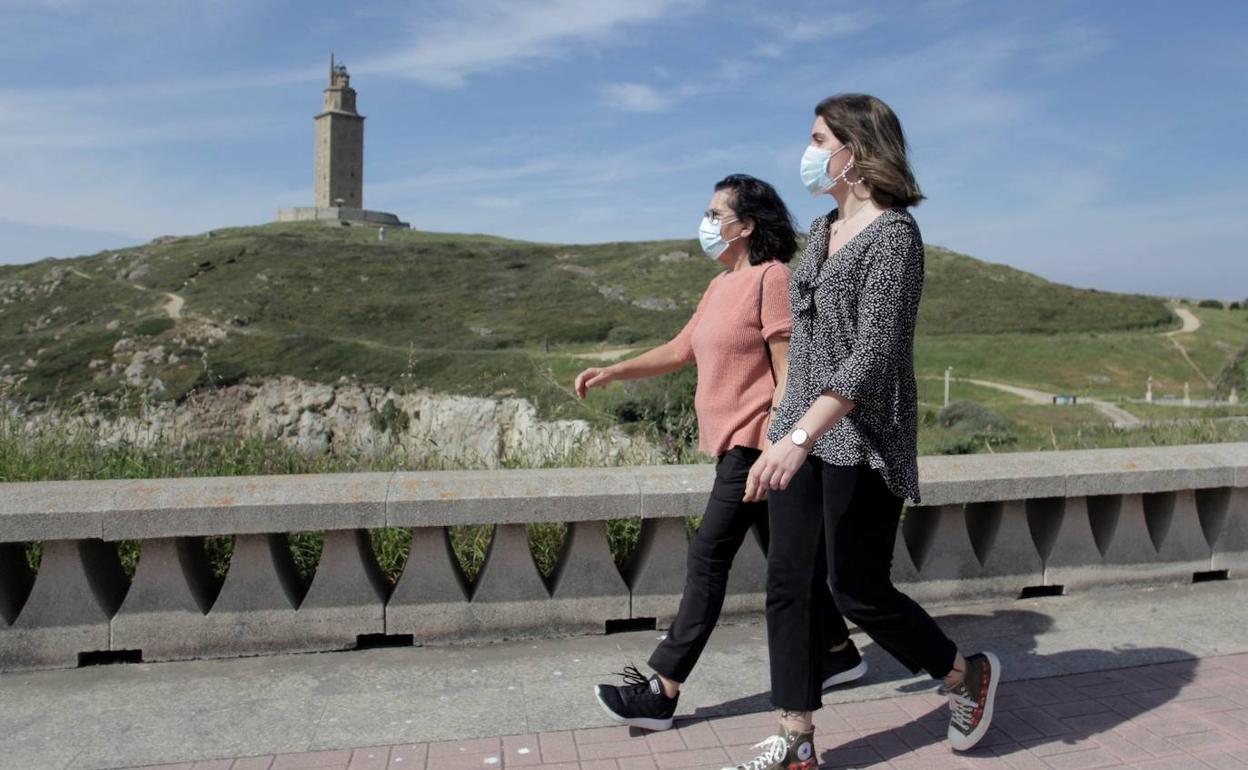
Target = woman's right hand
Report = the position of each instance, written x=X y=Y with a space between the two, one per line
x=593 y=377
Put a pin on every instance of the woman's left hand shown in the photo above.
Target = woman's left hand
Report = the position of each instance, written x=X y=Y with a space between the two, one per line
x=774 y=469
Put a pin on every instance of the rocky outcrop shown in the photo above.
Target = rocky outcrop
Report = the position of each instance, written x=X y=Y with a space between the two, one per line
x=437 y=430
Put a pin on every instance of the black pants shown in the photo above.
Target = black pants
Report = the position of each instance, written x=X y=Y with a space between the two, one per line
x=858 y=516
x=725 y=525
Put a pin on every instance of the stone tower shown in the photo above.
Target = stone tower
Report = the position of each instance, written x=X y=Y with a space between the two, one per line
x=338 y=187
x=339 y=145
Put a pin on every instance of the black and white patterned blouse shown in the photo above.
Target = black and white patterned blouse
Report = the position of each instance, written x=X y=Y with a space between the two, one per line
x=853 y=333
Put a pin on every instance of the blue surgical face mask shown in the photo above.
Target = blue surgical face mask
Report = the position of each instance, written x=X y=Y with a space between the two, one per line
x=814 y=169
x=710 y=234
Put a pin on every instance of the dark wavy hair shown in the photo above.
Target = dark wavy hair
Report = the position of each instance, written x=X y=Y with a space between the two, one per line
x=874 y=135
x=774 y=236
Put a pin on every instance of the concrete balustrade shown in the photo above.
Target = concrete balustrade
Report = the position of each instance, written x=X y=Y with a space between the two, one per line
x=988 y=525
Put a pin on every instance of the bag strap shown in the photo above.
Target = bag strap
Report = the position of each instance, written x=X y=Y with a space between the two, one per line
x=771 y=365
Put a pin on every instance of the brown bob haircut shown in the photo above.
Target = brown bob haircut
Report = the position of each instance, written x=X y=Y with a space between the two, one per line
x=874 y=135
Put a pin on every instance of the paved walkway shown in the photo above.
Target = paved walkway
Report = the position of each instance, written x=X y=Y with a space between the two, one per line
x=1181 y=715
x=1120 y=417
x=1163 y=670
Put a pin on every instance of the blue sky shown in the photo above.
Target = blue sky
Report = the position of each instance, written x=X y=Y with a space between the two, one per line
x=1098 y=144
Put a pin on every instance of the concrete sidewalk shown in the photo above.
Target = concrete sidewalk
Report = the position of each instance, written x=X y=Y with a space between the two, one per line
x=1181 y=715
x=1083 y=673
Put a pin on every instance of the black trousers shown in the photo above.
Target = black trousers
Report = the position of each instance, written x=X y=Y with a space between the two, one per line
x=725 y=525
x=858 y=516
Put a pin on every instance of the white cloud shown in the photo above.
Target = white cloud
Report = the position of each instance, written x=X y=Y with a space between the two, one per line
x=635 y=97
x=459 y=39
x=792 y=22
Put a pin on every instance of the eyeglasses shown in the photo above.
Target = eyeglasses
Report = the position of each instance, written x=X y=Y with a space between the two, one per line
x=713 y=216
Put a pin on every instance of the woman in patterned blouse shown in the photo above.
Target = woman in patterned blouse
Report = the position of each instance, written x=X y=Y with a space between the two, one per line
x=844 y=456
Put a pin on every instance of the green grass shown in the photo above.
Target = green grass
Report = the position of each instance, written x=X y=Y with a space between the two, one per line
x=962 y=295
x=1099 y=365
x=1161 y=411
x=468 y=314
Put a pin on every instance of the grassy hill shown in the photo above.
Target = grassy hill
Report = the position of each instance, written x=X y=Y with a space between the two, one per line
x=966 y=296
x=481 y=315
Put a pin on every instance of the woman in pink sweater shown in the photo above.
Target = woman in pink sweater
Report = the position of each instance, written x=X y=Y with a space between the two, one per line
x=739 y=338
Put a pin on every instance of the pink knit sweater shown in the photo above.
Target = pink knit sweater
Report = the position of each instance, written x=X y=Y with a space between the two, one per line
x=727 y=338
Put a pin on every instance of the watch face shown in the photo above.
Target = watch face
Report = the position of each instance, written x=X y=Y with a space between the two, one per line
x=800 y=436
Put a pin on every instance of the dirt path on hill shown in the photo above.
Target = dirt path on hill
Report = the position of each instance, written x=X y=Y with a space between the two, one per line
x=173 y=305
x=1190 y=324
x=1120 y=417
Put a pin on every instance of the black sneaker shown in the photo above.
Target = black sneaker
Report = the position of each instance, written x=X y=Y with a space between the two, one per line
x=971 y=701
x=639 y=702
x=842 y=666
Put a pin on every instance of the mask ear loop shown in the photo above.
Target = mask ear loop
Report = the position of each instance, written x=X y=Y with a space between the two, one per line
x=844 y=178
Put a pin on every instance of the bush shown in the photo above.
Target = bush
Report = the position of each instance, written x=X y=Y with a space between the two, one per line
x=150 y=327
x=929 y=417
x=1210 y=303
x=664 y=406
x=974 y=425
x=622 y=335
x=960 y=445
x=972 y=417
x=1234 y=306
x=390 y=419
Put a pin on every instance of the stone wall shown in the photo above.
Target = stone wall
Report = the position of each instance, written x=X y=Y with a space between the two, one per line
x=990 y=525
x=340 y=215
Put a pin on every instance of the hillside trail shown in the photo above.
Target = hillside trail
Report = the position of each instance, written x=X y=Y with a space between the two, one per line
x=173 y=305
x=1190 y=324
x=1120 y=417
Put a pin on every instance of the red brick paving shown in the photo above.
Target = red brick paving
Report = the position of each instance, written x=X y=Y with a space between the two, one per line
x=1190 y=714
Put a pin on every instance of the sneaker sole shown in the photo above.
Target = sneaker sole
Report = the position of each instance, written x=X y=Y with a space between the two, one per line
x=655 y=725
x=849 y=675
x=956 y=739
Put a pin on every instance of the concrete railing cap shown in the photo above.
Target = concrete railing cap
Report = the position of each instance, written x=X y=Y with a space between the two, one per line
x=137 y=509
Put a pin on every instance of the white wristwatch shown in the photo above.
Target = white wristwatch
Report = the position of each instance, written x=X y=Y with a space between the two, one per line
x=799 y=437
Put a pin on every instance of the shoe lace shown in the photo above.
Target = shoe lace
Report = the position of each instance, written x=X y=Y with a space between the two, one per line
x=961 y=707
x=634 y=679
x=773 y=751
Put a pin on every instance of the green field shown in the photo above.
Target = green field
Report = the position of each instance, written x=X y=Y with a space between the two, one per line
x=1106 y=365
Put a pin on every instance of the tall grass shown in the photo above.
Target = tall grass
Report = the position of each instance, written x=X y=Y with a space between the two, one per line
x=73 y=451
x=62 y=452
